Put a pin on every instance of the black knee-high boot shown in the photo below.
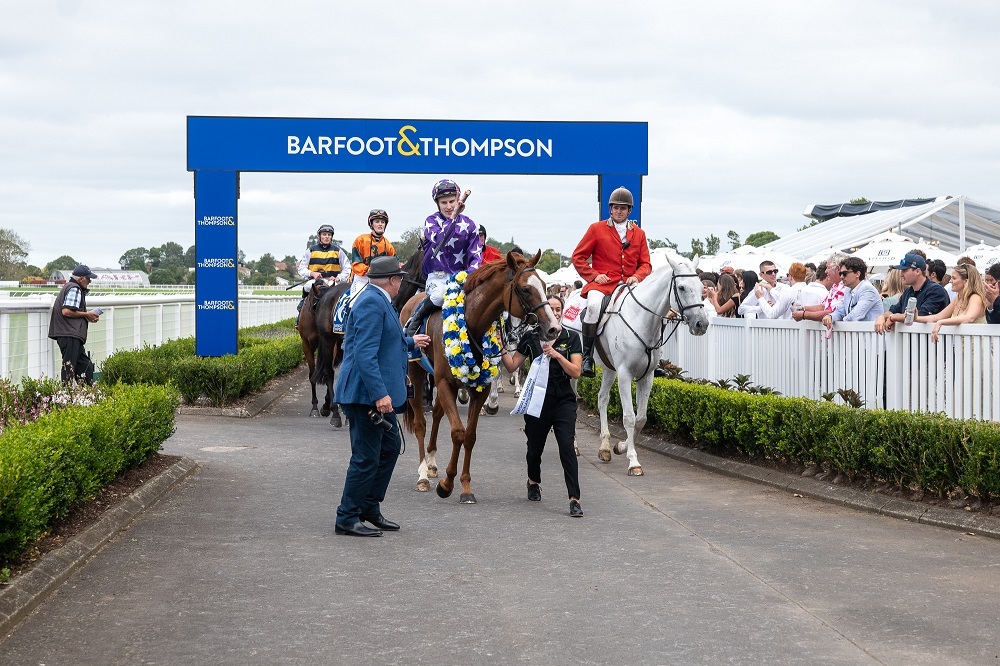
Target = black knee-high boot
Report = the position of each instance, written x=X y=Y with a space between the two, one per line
x=589 y=334
x=423 y=309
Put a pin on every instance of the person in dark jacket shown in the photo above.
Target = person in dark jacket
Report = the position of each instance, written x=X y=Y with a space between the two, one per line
x=68 y=325
x=371 y=385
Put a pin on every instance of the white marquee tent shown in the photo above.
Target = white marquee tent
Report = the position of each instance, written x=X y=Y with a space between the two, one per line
x=950 y=223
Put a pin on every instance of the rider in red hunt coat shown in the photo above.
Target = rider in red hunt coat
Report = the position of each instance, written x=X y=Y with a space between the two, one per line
x=618 y=252
x=490 y=253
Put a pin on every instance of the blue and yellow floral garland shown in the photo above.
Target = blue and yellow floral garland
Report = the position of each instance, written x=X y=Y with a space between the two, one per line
x=457 y=349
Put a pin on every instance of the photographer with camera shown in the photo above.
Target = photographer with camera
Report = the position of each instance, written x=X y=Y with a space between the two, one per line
x=370 y=385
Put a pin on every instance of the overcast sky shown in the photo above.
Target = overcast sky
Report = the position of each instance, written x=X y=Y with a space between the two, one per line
x=755 y=110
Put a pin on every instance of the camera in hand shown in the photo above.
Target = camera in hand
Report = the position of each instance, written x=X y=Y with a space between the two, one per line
x=378 y=420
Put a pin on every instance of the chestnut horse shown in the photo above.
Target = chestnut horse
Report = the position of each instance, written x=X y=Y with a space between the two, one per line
x=514 y=286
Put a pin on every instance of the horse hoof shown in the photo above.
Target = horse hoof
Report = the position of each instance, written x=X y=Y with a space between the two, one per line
x=463 y=395
x=499 y=389
x=511 y=379
x=621 y=447
x=635 y=471
x=336 y=422
x=314 y=414
x=423 y=485
x=492 y=411
x=442 y=493
x=325 y=411
x=604 y=455
x=467 y=498
x=432 y=472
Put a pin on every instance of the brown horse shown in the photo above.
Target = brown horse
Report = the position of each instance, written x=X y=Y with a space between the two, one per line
x=323 y=348
x=513 y=286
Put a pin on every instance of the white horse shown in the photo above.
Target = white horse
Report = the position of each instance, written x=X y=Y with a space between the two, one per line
x=628 y=348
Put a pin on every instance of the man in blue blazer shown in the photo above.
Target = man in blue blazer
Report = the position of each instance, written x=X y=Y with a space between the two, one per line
x=370 y=384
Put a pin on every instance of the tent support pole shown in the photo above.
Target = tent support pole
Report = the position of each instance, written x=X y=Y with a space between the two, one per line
x=961 y=224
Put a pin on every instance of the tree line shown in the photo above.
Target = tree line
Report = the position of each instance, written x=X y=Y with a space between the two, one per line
x=170 y=263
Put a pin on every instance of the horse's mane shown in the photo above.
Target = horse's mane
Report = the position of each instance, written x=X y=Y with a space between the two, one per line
x=487 y=272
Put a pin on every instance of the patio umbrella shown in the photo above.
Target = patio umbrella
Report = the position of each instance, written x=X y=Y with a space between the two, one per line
x=935 y=252
x=747 y=257
x=884 y=250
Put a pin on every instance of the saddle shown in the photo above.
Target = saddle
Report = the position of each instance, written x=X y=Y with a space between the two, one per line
x=614 y=298
x=573 y=314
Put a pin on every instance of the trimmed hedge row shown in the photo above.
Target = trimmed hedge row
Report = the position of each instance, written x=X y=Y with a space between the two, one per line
x=64 y=458
x=929 y=451
x=264 y=352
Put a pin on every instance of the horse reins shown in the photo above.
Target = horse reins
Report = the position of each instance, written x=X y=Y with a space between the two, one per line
x=677 y=319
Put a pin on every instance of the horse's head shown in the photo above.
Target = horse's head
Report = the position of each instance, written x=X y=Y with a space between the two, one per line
x=686 y=297
x=526 y=299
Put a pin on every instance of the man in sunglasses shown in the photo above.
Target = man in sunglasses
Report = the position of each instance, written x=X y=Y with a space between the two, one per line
x=368 y=247
x=931 y=297
x=862 y=301
x=768 y=289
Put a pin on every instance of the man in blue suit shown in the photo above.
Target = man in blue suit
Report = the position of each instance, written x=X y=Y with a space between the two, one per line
x=370 y=384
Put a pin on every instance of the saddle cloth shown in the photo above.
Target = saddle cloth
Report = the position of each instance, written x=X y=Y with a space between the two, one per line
x=576 y=306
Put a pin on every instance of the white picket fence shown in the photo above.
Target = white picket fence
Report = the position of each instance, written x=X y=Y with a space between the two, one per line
x=903 y=369
x=128 y=322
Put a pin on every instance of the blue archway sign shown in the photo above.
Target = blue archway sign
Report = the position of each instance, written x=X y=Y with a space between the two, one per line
x=218 y=148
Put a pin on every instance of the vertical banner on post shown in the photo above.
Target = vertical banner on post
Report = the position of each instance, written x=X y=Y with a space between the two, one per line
x=609 y=182
x=216 y=292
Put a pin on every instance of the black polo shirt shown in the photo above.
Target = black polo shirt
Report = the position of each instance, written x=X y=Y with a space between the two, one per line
x=567 y=344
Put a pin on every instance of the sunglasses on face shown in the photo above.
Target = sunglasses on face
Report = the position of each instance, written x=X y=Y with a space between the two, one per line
x=844 y=273
x=774 y=272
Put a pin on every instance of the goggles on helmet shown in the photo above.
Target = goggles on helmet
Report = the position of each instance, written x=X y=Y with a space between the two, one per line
x=443 y=188
x=377 y=213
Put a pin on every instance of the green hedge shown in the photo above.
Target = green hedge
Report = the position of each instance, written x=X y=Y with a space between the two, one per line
x=929 y=451
x=64 y=458
x=263 y=352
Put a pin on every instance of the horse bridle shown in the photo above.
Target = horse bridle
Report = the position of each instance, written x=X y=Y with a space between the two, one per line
x=530 y=320
x=672 y=316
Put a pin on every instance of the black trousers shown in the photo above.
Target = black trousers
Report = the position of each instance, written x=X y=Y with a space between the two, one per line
x=558 y=415
x=75 y=361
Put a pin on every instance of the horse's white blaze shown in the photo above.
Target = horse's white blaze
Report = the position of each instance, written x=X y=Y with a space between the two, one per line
x=629 y=353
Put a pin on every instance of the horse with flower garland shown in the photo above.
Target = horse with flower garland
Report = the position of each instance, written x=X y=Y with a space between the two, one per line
x=465 y=350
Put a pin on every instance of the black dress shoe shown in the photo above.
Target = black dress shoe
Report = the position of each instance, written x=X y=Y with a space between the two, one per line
x=534 y=492
x=381 y=522
x=575 y=509
x=357 y=529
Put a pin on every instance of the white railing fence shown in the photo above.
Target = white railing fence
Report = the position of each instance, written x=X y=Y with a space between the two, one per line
x=128 y=322
x=899 y=370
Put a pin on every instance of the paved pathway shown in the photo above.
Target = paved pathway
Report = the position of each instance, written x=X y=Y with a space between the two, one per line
x=239 y=565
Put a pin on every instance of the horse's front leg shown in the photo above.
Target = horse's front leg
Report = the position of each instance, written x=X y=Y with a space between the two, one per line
x=476 y=400
x=603 y=400
x=628 y=420
x=642 y=390
x=446 y=398
x=493 y=403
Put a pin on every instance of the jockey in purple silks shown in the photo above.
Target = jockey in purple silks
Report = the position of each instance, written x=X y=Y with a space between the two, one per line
x=451 y=245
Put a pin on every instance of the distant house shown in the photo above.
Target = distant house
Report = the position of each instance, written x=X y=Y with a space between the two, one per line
x=280 y=266
x=107 y=277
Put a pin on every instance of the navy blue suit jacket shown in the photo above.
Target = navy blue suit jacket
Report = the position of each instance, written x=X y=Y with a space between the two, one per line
x=375 y=352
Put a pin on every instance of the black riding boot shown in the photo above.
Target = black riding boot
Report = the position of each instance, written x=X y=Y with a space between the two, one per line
x=589 y=334
x=423 y=309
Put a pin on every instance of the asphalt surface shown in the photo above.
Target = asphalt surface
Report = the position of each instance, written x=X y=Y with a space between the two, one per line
x=239 y=564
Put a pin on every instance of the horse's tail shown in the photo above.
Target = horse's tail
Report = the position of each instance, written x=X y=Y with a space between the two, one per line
x=323 y=373
x=408 y=417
